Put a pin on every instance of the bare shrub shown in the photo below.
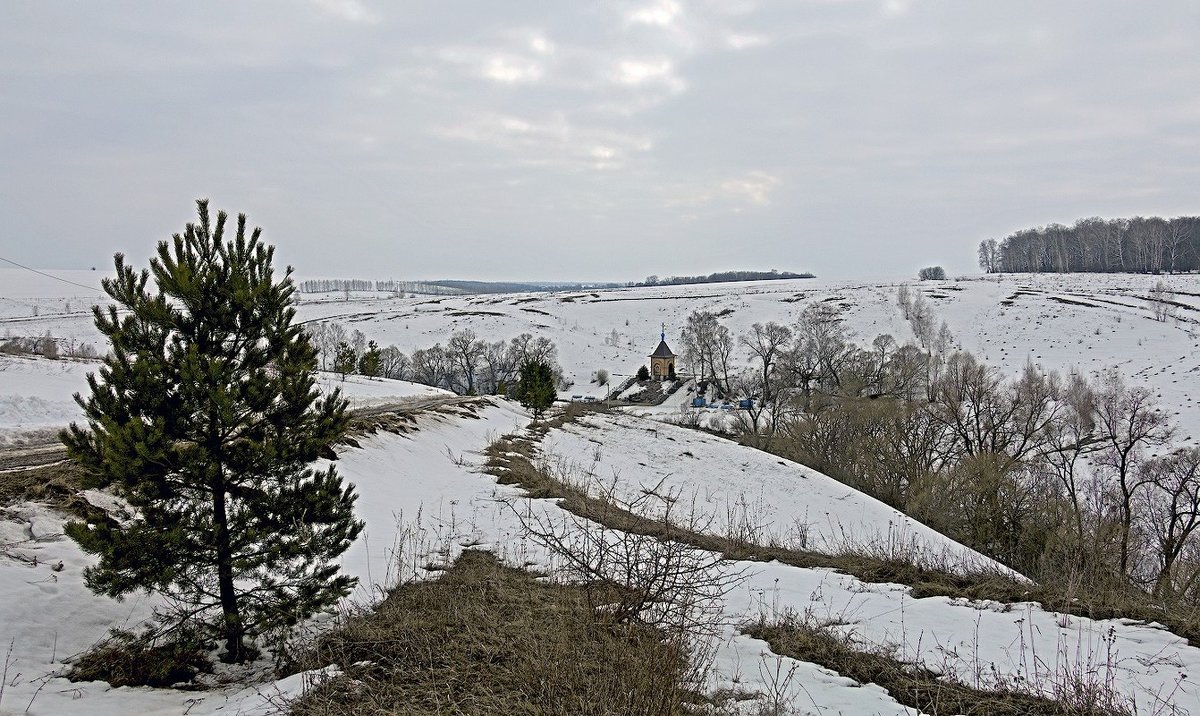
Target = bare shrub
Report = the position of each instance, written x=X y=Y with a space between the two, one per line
x=1162 y=300
x=48 y=347
x=661 y=581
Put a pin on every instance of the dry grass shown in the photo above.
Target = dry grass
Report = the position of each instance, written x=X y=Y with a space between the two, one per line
x=57 y=485
x=486 y=638
x=922 y=688
x=146 y=659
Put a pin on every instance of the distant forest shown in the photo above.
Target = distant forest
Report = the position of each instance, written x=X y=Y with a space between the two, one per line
x=443 y=287
x=1137 y=245
x=450 y=287
x=721 y=277
x=349 y=285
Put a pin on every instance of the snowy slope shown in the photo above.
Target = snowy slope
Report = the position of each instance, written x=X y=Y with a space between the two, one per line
x=35 y=395
x=47 y=615
x=425 y=498
x=734 y=491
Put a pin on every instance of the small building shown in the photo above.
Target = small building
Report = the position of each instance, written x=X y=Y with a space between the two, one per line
x=662 y=360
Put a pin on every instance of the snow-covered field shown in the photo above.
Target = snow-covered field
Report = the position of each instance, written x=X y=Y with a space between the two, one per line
x=1006 y=320
x=424 y=497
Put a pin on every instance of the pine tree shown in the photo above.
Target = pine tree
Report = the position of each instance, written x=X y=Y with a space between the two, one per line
x=344 y=360
x=368 y=365
x=205 y=416
x=536 y=391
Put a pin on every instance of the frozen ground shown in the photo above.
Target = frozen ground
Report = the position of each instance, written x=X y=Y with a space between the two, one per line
x=424 y=498
x=1006 y=320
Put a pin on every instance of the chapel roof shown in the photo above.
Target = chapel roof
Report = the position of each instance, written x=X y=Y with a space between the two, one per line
x=663 y=350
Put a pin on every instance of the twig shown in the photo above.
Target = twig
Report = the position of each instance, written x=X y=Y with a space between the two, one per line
x=7 y=662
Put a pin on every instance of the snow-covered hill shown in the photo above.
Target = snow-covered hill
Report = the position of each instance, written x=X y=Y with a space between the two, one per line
x=1082 y=322
x=425 y=497
x=1074 y=322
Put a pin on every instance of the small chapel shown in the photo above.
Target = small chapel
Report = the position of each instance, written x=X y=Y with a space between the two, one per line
x=662 y=360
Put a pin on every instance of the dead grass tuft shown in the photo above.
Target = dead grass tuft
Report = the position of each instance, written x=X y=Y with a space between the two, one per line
x=57 y=485
x=925 y=689
x=146 y=659
x=486 y=638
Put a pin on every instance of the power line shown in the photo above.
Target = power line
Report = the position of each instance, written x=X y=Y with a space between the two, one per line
x=43 y=273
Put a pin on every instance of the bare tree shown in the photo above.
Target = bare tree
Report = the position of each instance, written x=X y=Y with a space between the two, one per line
x=1128 y=424
x=466 y=351
x=722 y=358
x=920 y=316
x=432 y=366
x=907 y=375
x=1178 y=232
x=989 y=256
x=821 y=334
x=904 y=299
x=499 y=368
x=393 y=363
x=527 y=349
x=335 y=335
x=1172 y=507
x=766 y=344
x=1068 y=440
x=698 y=341
x=988 y=418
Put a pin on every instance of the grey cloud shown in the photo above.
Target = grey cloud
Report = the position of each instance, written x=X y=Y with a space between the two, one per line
x=612 y=140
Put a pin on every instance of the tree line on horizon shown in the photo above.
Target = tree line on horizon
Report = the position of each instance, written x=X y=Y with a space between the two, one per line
x=1095 y=245
x=362 y=285
x=720 y=277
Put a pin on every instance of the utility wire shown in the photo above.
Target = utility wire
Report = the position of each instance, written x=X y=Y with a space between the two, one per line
x=43 y=273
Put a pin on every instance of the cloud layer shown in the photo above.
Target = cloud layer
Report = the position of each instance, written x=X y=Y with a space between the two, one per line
x=533 y=140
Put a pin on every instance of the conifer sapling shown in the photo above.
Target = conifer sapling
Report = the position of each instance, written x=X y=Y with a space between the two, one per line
x=206 y=417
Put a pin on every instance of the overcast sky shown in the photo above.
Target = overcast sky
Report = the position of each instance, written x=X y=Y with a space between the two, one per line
x=590 y=140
